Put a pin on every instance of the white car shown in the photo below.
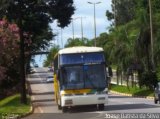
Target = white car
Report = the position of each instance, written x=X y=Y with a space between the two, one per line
x=157 y=93
x=32 y=70
x=49 y=79
x=36 y=65
x=50 y=69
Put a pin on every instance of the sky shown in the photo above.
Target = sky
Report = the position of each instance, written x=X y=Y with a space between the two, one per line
x=86 y=11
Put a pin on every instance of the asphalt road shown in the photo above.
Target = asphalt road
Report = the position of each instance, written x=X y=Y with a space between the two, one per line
x=46 y=108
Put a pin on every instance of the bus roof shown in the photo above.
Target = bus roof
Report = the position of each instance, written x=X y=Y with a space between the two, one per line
x=80 y=49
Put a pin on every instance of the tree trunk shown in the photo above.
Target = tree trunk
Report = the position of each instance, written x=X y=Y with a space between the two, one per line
x=127 y=81
x=22 y=62
x=132 y=78
x=117 y=73
x=122 y=77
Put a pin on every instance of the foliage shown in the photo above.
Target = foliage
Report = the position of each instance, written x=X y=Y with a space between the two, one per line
x=9 y=47
x=129 y=44
x=36 y=16
x=50 y=57
x=70 y=43
x=149 y=79
x=12 y=105
x=135 y=91
x=78 y=42
x=33 y=18
x=101 y=41
x=123 y=11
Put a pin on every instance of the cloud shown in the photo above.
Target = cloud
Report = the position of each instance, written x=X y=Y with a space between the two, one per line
x=83 y=9
x=86 y=11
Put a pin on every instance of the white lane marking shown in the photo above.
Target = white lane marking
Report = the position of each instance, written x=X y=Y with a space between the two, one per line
x=32 y=98
x=40 y=109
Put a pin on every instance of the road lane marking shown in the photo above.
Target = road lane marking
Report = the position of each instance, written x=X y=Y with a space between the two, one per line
x=33 y=98
x=40 y=109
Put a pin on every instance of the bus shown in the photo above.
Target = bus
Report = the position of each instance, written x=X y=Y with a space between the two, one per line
x=80 y=77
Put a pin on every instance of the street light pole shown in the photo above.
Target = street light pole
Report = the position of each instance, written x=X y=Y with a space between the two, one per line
x=94 y=4
x=94 y=26
x=114 y=12
x=73 y=29
x=62 y=37
x=57 y=35
x=82 y=27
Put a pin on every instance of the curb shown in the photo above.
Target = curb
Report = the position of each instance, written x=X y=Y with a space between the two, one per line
x=130 y=95
x=125 y=94
x=27 y=114
x=32 y=107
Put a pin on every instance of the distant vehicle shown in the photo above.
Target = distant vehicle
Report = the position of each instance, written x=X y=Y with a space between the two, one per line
x=49 y=79
x=50 y=69
x=157 y=93
x=36 y=65
x=32 y=70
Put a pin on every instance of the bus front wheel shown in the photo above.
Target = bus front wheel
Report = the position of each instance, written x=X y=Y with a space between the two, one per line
x=64 y=109
x=59 y=107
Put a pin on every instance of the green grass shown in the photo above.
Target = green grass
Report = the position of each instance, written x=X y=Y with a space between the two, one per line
x=114 y=67
x=12 y=105
x=136 y=91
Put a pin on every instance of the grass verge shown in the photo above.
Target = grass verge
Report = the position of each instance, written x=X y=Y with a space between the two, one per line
x=12 y=105
x=135 y=91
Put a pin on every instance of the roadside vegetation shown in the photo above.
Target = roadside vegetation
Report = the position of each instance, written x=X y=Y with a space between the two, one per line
x=24 y=30
x=127 y=42
x=12 y=105
x=134 y=91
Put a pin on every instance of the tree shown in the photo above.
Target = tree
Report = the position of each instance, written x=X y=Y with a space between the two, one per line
x=127 y=50
x=78 y=42
x=33 y=17
x=123 y=11
x=50 y=57
x=102 y=39
x=9 y=39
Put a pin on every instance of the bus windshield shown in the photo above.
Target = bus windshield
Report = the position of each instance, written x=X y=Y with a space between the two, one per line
x=83 y=76
x=81 y=58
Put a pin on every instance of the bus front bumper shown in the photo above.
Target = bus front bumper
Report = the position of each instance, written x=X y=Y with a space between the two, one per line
x=75 y=100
